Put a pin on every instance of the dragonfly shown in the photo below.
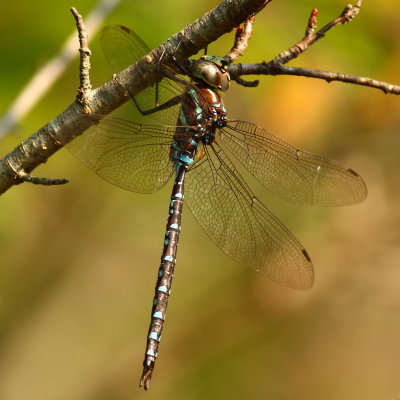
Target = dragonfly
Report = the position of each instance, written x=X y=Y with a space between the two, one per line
x=198 y=145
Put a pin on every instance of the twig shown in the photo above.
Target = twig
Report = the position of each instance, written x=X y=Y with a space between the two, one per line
x=20 y=175
x=51 y=71
x=271 y=68
x=277 y=67
x=83 y=92
x=239 y=80
x=312 y=23
x=84 y=66
x=310 y=37
x=386 y=87
x=242 y=38
x=36 y=180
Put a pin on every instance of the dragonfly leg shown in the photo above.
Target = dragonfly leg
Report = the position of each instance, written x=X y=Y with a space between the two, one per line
x=180 y=66
x=170 y=103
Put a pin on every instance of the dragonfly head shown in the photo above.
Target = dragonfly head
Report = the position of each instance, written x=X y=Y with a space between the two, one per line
x=211 y=70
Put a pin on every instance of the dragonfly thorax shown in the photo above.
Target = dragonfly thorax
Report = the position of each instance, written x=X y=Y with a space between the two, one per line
x=200 y=116
x=206 y=112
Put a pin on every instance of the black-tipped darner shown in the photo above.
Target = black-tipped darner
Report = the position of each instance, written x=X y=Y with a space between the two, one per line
x=198 y=149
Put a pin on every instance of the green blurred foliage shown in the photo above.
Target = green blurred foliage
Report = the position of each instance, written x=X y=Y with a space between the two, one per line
x=78 y=263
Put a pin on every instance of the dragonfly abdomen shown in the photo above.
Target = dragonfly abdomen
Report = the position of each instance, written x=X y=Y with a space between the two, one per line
x=165 y=275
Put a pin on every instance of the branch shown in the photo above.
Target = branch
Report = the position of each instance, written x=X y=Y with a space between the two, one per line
x=310 y=37
x=62 y=129
x=277 y=67
x=83 y=92
x=84 y=65
x=270 y=68
x=242 y=38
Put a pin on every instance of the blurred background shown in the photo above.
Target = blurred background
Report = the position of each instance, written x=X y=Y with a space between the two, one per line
x=78 y=263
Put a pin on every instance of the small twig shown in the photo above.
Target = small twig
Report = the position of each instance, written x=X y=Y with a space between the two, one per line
x=335 y=76
x=84 y=66
x=36 y=180
x=277 y=67
x=312 y=23
x=310 y=37
x=22 y=176
x=245 y=83
x=271 y=68
x=242 y=38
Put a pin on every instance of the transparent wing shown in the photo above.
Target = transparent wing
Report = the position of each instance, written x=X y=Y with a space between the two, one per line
x=122 y=47
x=129 y=155
x=289 y=173
x=241 y=225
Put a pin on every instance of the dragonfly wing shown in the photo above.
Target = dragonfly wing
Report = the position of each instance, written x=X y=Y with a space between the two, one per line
x=132 y=156
x=241 y=225
x=289 y=173
x=122 y=47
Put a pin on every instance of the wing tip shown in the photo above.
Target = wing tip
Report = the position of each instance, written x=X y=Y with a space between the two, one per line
x=307 y=281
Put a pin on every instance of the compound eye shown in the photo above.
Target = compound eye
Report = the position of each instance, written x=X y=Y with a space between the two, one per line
x=212 y=75
x=225 y=79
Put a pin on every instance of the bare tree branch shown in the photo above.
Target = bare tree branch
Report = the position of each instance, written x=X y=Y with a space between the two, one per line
x=277 y=67
x=83 y=93
x=46 y=141
x=270 y=68
x=310 y=37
